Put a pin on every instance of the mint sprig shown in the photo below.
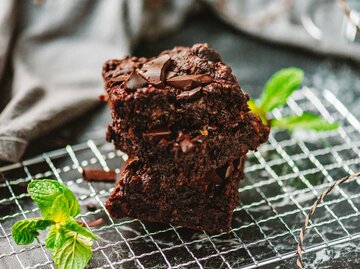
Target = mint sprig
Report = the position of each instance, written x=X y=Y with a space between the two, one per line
x=305 y=121
x=275 y=94
x=69 y=242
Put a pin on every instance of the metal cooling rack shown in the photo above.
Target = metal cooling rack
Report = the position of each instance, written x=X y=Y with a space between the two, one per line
x=282 y=180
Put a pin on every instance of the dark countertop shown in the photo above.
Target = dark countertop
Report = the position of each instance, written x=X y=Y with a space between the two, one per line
x=253 y=61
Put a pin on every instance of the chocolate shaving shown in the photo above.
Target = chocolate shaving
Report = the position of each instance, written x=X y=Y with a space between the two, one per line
x=135 y=81
x=157 y=133
x=154 y=70
x=96 y=222
x=98 y=175
x=190 y=93
x=187 y=82
x=121 y=78
x=93 y=223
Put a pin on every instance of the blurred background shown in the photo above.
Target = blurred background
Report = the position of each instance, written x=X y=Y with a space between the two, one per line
x=51 y=53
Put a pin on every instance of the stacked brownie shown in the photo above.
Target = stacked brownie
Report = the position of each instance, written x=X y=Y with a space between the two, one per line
x=184 y=121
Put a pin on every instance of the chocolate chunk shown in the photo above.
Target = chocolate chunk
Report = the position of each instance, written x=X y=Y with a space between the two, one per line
x=98 y=175
x=186 y=145
x=91 y=207
x=161 y=132
x=203 y=51
x=190 y=93
x=187 y=82
x=135 y=81
x=155 y=71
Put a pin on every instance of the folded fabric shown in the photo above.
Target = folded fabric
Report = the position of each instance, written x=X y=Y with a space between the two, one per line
x=56 y=50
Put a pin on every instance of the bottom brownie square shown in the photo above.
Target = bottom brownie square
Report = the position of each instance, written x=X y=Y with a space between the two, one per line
x=206 y=204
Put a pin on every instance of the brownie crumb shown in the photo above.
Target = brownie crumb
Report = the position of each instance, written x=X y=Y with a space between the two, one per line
x=91 y=207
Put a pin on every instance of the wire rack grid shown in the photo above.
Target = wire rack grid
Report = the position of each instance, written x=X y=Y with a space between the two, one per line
x=282 y=180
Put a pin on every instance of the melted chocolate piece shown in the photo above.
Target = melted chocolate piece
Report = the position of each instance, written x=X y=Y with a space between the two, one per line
x=190 y=93
x=203 y=51
x=135 y=81
x=154 y=70
x=187 y=82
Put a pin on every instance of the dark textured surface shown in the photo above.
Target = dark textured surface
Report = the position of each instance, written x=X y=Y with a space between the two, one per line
x=252 y=61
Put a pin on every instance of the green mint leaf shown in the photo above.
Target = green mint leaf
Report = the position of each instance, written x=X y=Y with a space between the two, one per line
x=258 y=111
x=305 y=121
x=75 y=252
x=44 y=193
x=59 y=211
x=72 y=225
x=279 y=87
x=25 y=231
x=55 y=238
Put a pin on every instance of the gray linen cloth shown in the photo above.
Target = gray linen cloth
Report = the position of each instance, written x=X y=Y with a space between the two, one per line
x=51 y=53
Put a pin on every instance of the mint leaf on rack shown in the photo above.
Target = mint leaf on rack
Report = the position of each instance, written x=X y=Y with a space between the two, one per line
x=24 y=232
x=72 y=225
x=44 y=192
x=55 y=238
x=304 y=121
x=275 y=94
x=68 y=241
x=279 y=87
x=75 y=252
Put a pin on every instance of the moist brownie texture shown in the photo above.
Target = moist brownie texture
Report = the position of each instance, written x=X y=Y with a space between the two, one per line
x=207 y=204
x=193 y=153
x=183 y=105
x=184 y=122
x=182 y=88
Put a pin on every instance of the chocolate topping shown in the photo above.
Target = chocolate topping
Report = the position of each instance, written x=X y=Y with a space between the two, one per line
x=203 y=51
x=187 y=82
x=190 y=93
x=154 y=70
x=120 y=78
x=135 y=81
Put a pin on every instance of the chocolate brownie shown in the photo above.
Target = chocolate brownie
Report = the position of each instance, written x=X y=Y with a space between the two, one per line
x=195 y=152
x=183 y=88
x=206 y=204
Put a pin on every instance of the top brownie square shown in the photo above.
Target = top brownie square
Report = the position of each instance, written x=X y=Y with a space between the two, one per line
x=181 y=89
